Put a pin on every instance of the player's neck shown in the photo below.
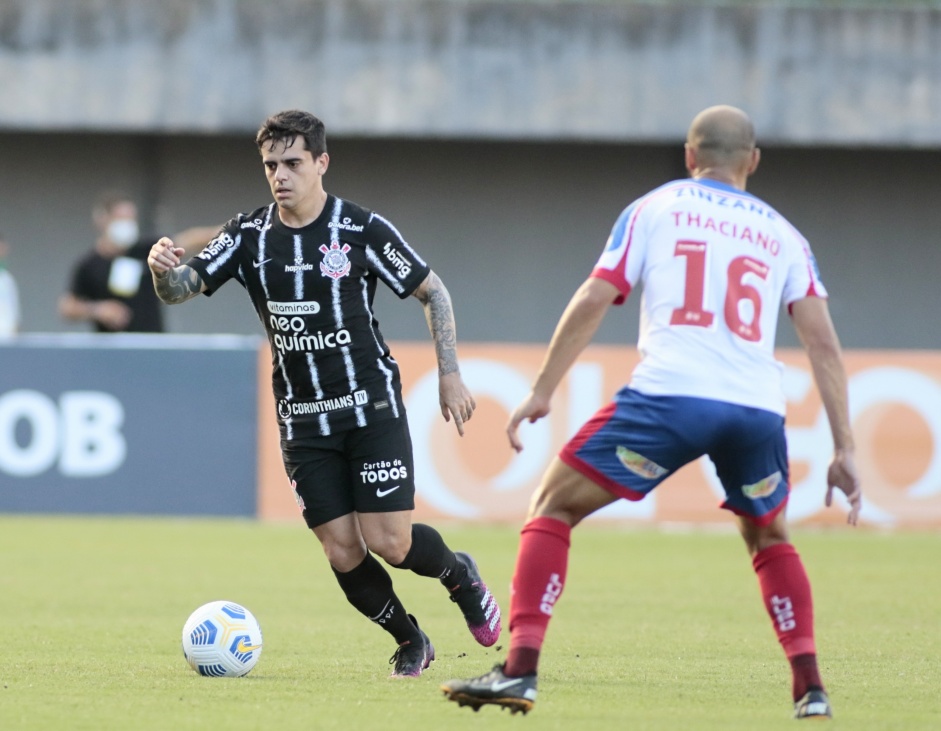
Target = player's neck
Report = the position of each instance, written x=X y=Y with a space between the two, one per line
x=306 y=213
x=722 y=176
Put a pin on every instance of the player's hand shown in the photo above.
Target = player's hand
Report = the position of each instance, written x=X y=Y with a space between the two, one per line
x=111 y=314
x=842 y=474
x=164 y=256
x=532 y=409
x=455 y=400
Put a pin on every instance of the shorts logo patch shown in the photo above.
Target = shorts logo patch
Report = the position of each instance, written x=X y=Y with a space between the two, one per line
x=297 y=496
x=763 y=488
x=639 y=464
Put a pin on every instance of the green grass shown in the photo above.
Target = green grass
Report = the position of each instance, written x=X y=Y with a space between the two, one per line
x=654 y=631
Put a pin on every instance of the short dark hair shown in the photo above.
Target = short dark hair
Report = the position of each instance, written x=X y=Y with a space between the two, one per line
x=108 y=200
x=290 y=124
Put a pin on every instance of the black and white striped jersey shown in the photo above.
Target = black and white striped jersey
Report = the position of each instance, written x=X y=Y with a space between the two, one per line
x=313 y=290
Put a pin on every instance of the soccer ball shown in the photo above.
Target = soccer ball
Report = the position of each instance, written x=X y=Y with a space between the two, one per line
x=222 y=640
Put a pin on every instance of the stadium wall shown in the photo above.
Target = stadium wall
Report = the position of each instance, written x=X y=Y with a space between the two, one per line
x=623 y=71
x=186 y=426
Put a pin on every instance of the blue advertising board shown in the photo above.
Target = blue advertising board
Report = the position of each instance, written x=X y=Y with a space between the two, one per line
x=129 y=424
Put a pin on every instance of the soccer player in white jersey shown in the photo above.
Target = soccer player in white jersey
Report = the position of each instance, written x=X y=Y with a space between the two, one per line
x=715 y=264
x=311 y=262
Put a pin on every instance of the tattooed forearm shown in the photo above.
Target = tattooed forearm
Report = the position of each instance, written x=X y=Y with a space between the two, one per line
x=440 y=317
x=179 y=285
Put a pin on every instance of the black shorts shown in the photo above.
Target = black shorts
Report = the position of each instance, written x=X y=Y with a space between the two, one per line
x=365 y=470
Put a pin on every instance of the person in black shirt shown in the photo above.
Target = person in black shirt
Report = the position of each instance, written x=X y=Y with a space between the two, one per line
x=110 y=286
x=310 y=263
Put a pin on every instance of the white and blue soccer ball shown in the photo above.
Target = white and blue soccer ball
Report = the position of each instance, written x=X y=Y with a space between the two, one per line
x=222 y=640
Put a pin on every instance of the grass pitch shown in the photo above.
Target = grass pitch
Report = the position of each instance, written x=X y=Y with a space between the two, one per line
x=654 y=631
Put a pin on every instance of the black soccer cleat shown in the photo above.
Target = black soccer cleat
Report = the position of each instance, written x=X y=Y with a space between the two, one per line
x=477 y=603
x=494 y=688
x=411 y=658
x=814 y=704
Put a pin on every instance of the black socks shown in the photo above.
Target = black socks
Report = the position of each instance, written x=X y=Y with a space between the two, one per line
x=429 y=555
x=368 y=587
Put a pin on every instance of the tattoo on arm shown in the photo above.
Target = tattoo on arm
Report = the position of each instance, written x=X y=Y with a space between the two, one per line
x=440 y=316
x=180 y=284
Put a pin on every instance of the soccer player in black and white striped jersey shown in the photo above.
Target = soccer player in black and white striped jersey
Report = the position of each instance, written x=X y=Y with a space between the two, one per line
x=310 y=263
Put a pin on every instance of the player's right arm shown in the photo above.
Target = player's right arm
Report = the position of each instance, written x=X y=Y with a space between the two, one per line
x=174 y=282
x=815 y=329
x=576 y=327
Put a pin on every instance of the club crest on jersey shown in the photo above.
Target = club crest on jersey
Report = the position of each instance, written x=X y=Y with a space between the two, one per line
x=335 y=262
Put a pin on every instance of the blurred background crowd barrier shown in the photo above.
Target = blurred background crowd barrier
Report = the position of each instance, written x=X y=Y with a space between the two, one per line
x=174 y=425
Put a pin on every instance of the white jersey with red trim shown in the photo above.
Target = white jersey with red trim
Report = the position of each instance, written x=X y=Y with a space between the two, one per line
x=715 y=263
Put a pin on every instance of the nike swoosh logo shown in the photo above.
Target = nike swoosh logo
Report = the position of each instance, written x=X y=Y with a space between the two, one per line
x=505 y=684
x=257 y=264
x=242 y=647
x=383 y=493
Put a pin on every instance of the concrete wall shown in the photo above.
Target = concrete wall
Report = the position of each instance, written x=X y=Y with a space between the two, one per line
x=512 y=228
x=465 y=68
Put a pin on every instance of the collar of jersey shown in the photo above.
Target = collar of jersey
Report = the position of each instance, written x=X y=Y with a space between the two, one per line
x=712 y=183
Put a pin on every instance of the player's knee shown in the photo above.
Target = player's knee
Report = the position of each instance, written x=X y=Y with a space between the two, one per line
x=552 y=500
x=391 y=548
x=344 y=556
x=758 y=538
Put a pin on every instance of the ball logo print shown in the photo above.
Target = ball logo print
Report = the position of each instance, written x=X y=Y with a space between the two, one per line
x=222 y=639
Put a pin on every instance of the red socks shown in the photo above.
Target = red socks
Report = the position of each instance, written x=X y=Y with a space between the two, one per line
x=785 y=589
x=537 y=583
x=540 y=576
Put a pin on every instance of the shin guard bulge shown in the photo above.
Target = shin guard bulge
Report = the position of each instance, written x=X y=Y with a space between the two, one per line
x=537 y=583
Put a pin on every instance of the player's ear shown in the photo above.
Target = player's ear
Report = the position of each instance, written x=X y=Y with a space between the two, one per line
x=323 y=162
x=690 y=157
x=755 y=159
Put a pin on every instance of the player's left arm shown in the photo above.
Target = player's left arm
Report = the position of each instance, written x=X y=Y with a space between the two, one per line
x=811 y=317
x=173 y=282
x=453 y=395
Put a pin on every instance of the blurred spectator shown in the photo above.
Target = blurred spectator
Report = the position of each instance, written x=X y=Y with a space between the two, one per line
x=111 y=284
x=9 y=296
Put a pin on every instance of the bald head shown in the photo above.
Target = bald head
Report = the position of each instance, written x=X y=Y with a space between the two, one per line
x=721 y=141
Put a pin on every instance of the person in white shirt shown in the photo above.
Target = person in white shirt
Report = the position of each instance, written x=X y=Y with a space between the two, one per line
x=715 y=264
x=9 y=296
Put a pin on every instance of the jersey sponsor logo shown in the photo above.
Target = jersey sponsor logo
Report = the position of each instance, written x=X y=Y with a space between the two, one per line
x=402 y=266
x=287 y=409
x=762 y=488
x=219 y=244
x=257 y=224
x=298 y=265
x=383 y=471
x=309 y=307
x=347 y=225
x=261 y=263
x=335 y=262
x=639 y=465
x=306 y=343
